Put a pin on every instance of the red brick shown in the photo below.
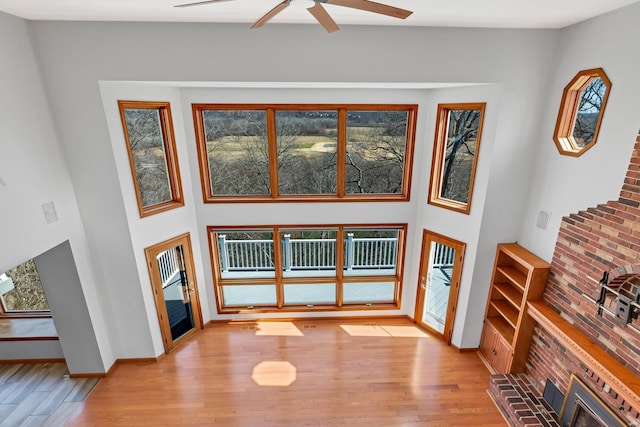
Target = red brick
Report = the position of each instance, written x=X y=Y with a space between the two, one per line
x=593 y=240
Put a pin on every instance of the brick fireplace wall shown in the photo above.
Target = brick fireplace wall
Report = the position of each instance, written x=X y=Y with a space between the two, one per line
x=603 y=238
x=549 y=359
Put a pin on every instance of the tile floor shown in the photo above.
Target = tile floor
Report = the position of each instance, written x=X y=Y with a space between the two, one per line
x=40 y=394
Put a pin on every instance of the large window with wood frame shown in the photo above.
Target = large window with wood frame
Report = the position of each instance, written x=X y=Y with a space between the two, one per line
x=148 y=132
x=21 y=292
x=455 y=155
x=302 y=268
x=254 y=153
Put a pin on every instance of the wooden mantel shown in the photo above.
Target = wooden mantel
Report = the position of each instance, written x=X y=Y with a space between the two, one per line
x=612 y=372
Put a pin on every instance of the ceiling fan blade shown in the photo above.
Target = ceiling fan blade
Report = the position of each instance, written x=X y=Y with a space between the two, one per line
x=371 y=6
x=321 y=15
x=273 y=12
x=198 y=3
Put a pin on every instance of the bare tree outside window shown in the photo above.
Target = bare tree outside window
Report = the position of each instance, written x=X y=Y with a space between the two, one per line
x=461 y=150
x=584 y=100
x=152 y=155
x=237 y=151
x=455 y=155
x=588 y=112
x=340 y=152
x=375 y=155
x=147 y=146
x=307 y=151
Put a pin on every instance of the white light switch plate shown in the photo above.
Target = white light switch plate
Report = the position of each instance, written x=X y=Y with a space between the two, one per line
x=543 y=219
x=50 y=213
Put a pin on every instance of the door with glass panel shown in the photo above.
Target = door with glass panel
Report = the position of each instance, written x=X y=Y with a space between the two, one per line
x=439 y=283
x=170 y=265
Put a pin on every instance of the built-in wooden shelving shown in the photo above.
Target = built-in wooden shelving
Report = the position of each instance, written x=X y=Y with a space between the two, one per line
x=518 y=276
x=507 y=311
x=513 y=296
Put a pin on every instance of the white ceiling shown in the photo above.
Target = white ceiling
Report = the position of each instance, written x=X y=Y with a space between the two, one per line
x=449 y=13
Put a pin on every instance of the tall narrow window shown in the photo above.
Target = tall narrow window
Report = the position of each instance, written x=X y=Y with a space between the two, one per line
x=455 y=155
x=21 y=291
x=150 y=141
x=258 y=153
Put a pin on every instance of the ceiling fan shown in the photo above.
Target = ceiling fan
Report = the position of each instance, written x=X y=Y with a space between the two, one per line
x=320 y=13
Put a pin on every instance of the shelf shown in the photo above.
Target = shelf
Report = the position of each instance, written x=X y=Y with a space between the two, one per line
x=507 y=311
x=503 y=328
x=591 y=354
x=513 y=275
x=522 y=256
x=518 y=276
x=512 y=295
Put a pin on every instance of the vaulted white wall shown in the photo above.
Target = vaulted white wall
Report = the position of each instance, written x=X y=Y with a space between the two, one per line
x=563 y=184
x=33 y=171
x=145 y=232
x=461 y=227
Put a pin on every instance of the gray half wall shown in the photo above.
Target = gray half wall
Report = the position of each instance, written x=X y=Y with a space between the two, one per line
x=59 y=276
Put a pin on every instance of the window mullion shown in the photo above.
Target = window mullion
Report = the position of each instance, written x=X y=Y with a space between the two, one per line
x=170 y=153
x=277 y=264
x=341 y=152
x=272 y=138
x=339 y=264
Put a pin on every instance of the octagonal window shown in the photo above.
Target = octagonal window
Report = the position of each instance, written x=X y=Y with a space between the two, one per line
x=581 y=110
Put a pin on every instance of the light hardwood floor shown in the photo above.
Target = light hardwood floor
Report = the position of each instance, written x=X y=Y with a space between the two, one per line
x=302 y=373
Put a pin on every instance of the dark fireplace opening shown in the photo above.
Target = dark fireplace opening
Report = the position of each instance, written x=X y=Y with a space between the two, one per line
x=583 y=408
x=583 y=417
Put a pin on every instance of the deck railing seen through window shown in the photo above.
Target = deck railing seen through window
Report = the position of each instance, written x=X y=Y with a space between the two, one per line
x=307 y=254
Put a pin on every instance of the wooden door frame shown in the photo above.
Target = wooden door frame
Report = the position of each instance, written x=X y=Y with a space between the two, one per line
x=452 y=305
x=156 y=287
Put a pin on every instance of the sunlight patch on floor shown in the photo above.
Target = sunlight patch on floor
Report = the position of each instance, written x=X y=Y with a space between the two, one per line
x=406 y=331
x=384 y=331
x=274 y=374
x=364 y=330
x=282 y=329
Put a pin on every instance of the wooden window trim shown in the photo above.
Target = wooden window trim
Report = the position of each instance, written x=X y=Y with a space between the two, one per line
x=439 y=150
x=563 y=133
x=340 y=196
x=171 y=156
x=25 y=314
x=279 y=281
x=21 y=314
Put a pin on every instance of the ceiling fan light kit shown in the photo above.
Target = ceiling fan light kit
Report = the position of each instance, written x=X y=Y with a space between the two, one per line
x=320 y=13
